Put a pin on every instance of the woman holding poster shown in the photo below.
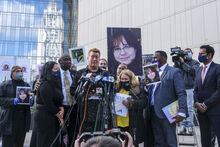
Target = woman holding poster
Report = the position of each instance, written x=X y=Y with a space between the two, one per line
x=124 y=47
x=130 y=96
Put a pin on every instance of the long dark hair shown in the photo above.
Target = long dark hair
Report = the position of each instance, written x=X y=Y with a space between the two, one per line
x=46 y=72
x=133 y=41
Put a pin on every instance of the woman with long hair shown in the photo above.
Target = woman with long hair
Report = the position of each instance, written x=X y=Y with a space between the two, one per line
x=49 y=111
x=133 y=122
x=125 y=47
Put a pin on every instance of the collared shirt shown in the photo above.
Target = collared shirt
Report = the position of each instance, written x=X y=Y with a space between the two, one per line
x=207 y=67
x=65 y=101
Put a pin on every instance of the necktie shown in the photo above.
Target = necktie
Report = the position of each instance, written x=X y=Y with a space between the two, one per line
x=203 y=73
x=67 y=88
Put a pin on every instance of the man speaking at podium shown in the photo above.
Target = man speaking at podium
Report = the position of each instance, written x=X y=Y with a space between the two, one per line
x=87 y=98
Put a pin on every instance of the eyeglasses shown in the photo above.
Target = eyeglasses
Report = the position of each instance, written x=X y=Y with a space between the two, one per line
x=125 y=48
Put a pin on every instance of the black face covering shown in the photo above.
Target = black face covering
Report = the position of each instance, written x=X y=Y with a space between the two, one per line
x=126 y=85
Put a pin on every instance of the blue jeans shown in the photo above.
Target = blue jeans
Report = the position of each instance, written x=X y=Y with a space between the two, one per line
x=188 y=122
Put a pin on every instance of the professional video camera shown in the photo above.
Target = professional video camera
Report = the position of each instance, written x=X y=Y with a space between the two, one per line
x=176 y=53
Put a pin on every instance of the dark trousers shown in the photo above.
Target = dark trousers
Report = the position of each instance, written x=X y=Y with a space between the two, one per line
x=16 y=139
x=164 y=132
x=8 y=141
x=209 y=123
x=71 y=125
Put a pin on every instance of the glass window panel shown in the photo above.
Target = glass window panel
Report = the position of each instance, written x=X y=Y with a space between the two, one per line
x=9 y=6
x=3 y=33
x=4 y=19
x=27 y=20
x=12 y=34
x=16 y=47
x=10 y=49
x=22 y=20
x=21 y=34
x=9 y=19
x=5 y=6
x=31 y=20
x=1 y=18
x=15 y=6
x=18 y=22
x=13 y=19
x=0 y=48
x=17 y=35
x=8 y=30
x=21 y=49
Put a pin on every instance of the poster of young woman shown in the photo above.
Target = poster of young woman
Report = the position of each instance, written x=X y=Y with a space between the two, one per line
x=6 y=64
x=124 y=46
x=151 y=74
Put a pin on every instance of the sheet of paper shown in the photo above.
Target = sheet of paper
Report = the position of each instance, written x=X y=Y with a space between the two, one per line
x=120 y=109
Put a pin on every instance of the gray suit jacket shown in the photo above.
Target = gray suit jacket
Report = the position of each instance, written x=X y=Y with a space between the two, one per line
x=169 y=90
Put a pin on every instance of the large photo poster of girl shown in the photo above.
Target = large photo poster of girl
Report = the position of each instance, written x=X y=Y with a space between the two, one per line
x=124 y=46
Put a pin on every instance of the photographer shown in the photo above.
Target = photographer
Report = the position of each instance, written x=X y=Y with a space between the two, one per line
x=188 y=67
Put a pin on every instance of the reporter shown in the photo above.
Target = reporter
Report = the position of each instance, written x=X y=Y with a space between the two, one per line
x=14 y=119
x=127 y=84
x=49 y=111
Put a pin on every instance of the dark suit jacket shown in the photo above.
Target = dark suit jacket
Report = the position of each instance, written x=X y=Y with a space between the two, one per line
x=169 y=90
x=208 y=92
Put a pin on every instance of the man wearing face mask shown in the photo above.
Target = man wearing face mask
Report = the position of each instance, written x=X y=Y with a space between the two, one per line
x=67 y=76
x=188 y=68
x=207 y=95
x=162 y=94
x=14 y=118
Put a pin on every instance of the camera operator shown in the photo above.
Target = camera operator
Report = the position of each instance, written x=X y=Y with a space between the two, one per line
x=188 y=67
x=87 y=119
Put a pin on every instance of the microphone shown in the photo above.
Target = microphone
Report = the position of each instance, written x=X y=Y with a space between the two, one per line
x=110 y=79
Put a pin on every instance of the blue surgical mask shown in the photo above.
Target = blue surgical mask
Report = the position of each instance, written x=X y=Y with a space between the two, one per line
x=153 y=62
x=56 y=73
x=202 y=58
x=189 y=55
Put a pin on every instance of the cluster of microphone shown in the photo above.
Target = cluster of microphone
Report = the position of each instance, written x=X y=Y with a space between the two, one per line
x=96 y=81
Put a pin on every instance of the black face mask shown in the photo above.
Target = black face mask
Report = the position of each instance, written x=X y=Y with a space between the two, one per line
x=126 y=85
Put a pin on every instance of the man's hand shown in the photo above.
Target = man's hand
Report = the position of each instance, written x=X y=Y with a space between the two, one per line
x=178 y=118
x=201 y=107
x=181 y=60
x=37 y=85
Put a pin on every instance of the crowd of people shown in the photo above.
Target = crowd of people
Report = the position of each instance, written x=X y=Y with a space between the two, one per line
x=70 y=103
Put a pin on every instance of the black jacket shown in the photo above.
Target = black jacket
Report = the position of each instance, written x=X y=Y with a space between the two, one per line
x=136 y=120
x=7 y=95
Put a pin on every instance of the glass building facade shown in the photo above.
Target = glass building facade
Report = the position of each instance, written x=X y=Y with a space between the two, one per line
x=37 y=30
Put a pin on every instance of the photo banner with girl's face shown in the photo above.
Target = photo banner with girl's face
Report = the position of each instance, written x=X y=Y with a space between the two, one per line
x=151 y=74
x=124 y=46
x=6 y=63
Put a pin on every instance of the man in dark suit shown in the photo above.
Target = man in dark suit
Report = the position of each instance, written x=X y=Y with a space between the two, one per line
x=162 y=94
x=207 y=95
x=67 y=77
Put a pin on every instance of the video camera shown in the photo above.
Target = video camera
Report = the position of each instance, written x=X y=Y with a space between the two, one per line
x=176 y=53
x=115 y=133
